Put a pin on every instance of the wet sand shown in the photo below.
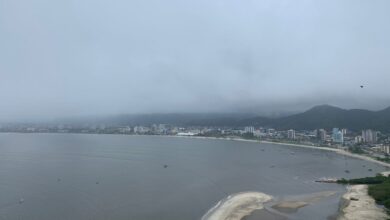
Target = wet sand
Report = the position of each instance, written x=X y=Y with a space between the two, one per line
x=291 y=206
x=251 y=206
x=264 y=214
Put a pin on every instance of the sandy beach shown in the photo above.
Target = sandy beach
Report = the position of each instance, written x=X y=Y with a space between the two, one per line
x=237 y=206
x=358 y=205
x=361 y=207
x=339 y=151
x=250 y=205
x=291 y=206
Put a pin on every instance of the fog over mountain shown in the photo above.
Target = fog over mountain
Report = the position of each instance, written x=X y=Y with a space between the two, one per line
x=95 y=57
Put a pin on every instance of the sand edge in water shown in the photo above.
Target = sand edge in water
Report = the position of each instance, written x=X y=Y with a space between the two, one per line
x=236 y=206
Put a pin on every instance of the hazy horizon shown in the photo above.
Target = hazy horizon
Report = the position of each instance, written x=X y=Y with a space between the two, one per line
x=83 y=58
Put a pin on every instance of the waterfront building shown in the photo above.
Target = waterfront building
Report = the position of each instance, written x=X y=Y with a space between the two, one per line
x=291 y=134
x=337 y=136
x=385 y=149
x=369 y=136
x=270 y=131
x=358 y=139
x=322 y=134
x=141 y=129
x=249 y=129
x=257 y=133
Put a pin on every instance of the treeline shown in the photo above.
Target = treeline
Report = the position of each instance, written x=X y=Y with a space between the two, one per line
x=366 y=180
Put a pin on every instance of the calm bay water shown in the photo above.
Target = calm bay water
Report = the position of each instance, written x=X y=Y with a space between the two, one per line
x=75 y=176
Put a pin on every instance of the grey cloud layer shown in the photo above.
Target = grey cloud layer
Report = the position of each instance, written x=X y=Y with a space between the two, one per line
x=65 y=58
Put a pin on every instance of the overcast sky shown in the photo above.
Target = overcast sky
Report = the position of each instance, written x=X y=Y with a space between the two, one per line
x=91 y=57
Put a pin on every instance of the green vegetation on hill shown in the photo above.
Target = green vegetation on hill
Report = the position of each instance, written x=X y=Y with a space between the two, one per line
x=327 y=117
x=379 y=188
x=323 y=116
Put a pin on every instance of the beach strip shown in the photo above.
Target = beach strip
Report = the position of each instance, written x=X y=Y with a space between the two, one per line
x=358 y=205
x=236 y=206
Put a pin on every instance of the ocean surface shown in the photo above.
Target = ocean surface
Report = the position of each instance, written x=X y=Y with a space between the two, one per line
x=117 y=177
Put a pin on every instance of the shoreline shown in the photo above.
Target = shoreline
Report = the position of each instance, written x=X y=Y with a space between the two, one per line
x=336 y=150
x=347 y=205
x=365 y=208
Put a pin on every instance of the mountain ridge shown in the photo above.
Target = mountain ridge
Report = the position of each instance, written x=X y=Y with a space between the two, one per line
x=320 y=116
x=327 y=117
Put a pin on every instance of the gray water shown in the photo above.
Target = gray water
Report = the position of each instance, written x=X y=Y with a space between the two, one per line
x=75 y=176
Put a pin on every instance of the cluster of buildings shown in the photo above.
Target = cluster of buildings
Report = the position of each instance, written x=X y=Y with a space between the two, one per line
x=335 y=137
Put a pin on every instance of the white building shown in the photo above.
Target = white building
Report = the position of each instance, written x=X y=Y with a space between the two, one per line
x=141 y=130
x=385 y=149
x=270 y=131
x=369 y=136
x=249 y=129
x=322 y=134
x=291 y=134
x=126 y=129
x=257 y=133
x=358 y=139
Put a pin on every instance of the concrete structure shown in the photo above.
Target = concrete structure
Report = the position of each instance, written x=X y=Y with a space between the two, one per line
x=385 y=149
x=291 y=134
x=249 y=129
x=257 y=133
x=337 y=136
x=141 y=129
x=358 y=139
x=322 y=134
x=369 y=136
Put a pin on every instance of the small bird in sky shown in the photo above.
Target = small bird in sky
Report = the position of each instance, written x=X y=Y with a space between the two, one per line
x=361 y=86
x=165 y=166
